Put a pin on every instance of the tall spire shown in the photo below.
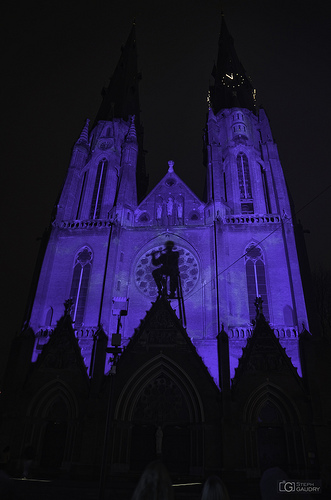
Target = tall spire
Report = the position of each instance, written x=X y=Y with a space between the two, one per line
x=121 y=98
x=232 y=88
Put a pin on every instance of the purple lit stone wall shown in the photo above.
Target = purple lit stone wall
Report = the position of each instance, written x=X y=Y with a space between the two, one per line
x=212 y=237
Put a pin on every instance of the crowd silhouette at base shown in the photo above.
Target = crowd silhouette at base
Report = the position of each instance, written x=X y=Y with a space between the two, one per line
x=155 y=482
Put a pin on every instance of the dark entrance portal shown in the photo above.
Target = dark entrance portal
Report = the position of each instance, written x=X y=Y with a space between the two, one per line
x=53 y=445
x=55 y=435
x=176 y=449
x=161 y=406
x=271 y=438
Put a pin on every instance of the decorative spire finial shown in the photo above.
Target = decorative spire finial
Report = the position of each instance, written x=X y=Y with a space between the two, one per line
x=68 y=306
x=83 y=138
x=208 y=99
x=258 y=306
x=132 y=134
x=171 y=166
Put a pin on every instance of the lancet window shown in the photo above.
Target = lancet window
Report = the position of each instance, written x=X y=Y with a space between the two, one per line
x=98 y=189
x=79 y=284
x=80 y=204
x=244 y=178
x=265 y=190
x=49 y=317
x=256 y=280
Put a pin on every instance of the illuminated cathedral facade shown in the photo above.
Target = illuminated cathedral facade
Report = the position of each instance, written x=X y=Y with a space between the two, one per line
x=219 y=373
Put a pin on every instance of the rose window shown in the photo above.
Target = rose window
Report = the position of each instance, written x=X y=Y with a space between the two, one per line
x=188 y=271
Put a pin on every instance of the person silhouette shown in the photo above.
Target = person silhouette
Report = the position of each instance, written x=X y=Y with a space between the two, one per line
x=214 y=489
x=154 y=484
x=168 y=259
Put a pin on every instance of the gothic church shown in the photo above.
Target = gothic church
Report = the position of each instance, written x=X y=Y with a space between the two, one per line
x=220 y=373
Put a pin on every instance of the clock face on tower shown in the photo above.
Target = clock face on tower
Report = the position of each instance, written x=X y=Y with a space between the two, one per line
x=232 y=80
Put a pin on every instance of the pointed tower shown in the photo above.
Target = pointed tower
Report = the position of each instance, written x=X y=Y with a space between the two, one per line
x=127 y=192
x=99 y=193
x=255 y=248
x=232 y=87
x=121 y=100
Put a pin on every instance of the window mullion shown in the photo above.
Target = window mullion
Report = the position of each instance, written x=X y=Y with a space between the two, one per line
x=78 y=291
x=256 y=283
x=243 y=173
x=98 y=192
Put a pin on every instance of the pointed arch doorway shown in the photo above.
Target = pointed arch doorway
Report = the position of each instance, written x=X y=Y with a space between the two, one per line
x=55 y=435
x=271 y=438
x=52 y=416
x=159 y=414
x=161 y=426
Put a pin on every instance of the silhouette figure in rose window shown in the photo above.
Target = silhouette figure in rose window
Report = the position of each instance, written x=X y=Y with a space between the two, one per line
x=168 y=260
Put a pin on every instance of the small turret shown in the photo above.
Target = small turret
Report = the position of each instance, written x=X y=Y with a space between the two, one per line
x=212 y=127
x=127 y=193
x=83 y=138
x=132 y=134
x=79 y=156
x=81 y=148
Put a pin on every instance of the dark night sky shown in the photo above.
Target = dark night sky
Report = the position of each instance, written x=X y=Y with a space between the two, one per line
x=58 y=56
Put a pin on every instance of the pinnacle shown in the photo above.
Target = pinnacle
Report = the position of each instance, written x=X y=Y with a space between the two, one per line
x=171 y=166
x=83 y=138
x=132 y=134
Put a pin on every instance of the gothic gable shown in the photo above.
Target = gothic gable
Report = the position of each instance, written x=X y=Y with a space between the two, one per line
x=264 y=356
x=62 y=354
x=161 y=334
x=161 y=327
x=170 y=203
x=164 y=389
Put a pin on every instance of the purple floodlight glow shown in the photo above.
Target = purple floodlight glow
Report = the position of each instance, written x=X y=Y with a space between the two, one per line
x=232 y=247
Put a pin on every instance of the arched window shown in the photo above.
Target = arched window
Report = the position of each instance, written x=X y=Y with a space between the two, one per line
x=265 y=190
x=49 y=317
x=98 y=189
x=79 y=284
x=80 y=204
x=256 y=281
x=244 y=178
x=144 y=217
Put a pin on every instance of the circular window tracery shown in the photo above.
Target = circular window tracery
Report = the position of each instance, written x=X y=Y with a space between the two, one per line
x=161 y=401
x=170 y=182
x=188 y=271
